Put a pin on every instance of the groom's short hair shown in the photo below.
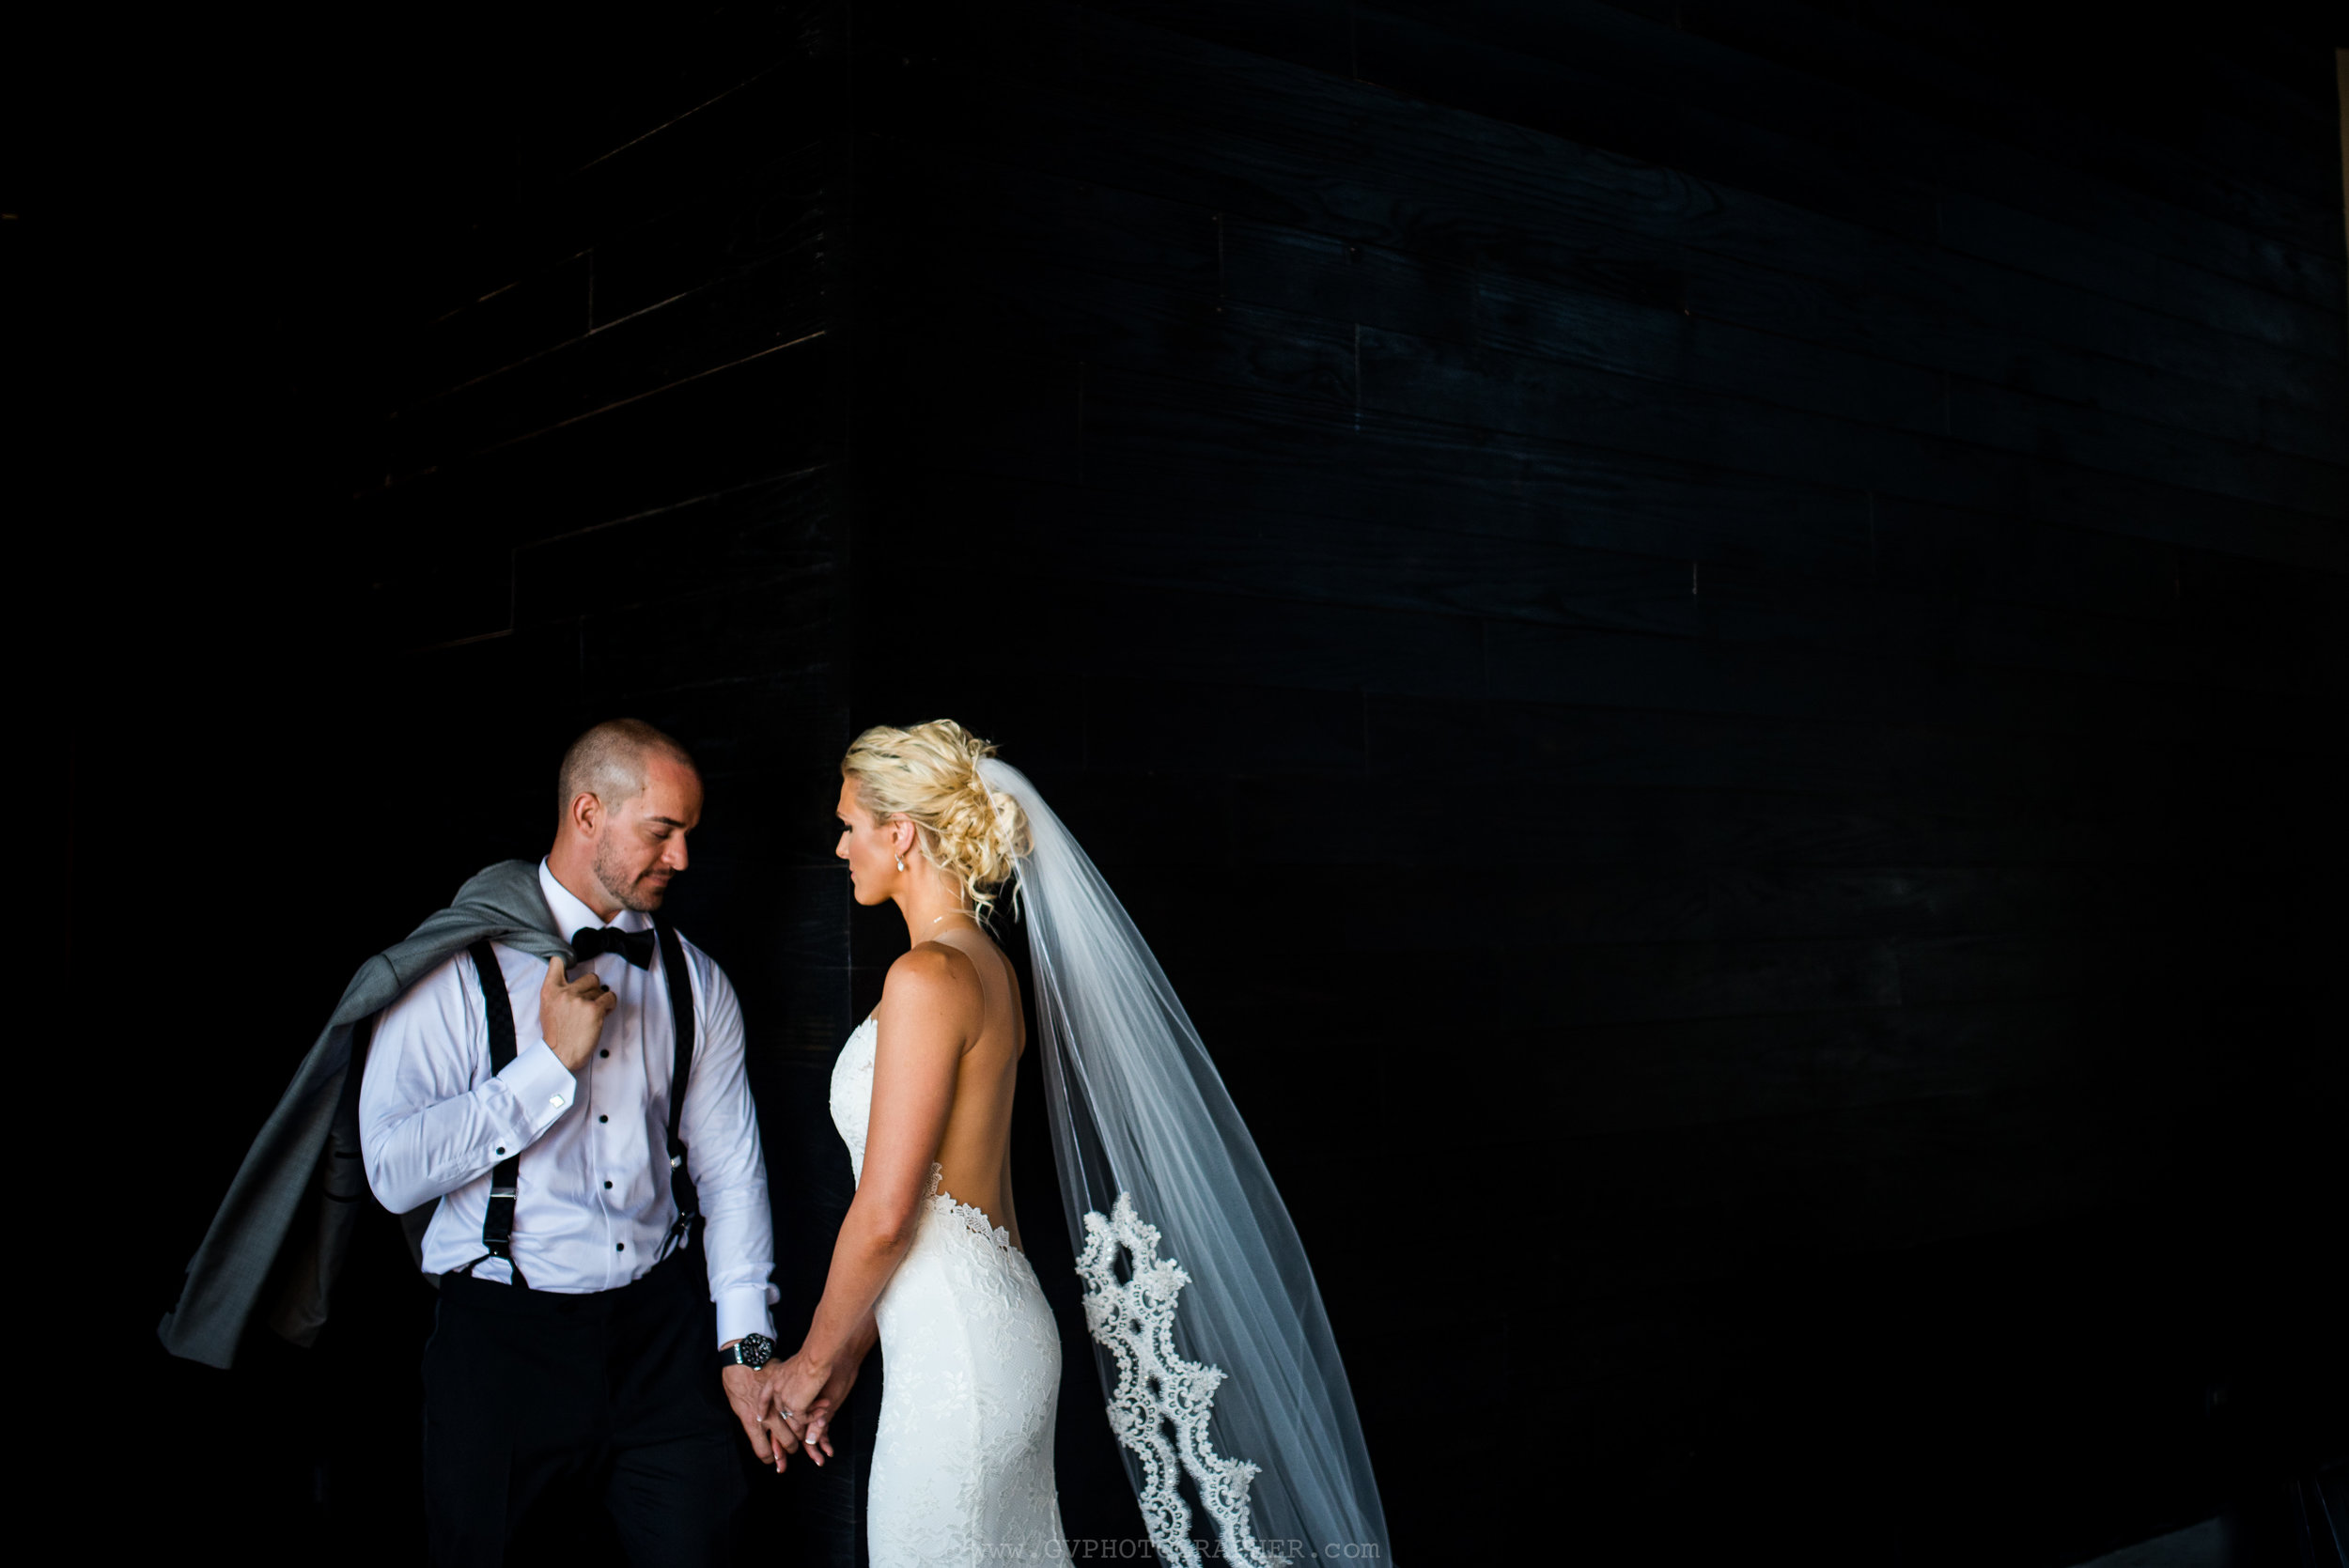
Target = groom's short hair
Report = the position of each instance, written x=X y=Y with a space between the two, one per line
x=608 y=762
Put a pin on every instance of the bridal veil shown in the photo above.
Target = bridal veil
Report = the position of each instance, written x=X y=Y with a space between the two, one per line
x=1215 y=1353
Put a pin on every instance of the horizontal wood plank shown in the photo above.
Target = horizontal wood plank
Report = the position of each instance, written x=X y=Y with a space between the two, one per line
x=1423 y=177
x=1699 y=310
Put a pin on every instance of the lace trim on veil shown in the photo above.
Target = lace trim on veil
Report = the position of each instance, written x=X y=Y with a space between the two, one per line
x=1156 y=1386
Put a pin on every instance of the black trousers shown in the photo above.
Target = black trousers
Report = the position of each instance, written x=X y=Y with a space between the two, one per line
x=524 y=1390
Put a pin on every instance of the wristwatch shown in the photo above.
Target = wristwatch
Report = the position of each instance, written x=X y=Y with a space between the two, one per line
x=752 y=1350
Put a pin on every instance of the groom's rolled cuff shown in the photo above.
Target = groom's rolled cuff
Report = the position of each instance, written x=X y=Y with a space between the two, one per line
x=542 y=1087
x=743 y=1309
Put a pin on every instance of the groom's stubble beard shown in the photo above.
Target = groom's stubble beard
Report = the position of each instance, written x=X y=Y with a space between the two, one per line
x=630 y=889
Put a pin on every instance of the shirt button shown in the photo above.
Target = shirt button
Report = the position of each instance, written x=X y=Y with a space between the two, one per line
x=607 y=1184
x=603 y=1053
x=603 y=1118
x=502 y=1150
x=619 y=1247
x=554 y=1099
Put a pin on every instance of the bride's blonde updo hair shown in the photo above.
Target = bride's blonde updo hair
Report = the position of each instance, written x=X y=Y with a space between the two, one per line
x=929 y=775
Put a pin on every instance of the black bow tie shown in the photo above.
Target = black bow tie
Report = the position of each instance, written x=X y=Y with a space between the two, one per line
x=634 y=946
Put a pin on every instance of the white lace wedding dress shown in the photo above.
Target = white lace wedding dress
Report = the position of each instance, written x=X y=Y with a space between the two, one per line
x=962 y=1466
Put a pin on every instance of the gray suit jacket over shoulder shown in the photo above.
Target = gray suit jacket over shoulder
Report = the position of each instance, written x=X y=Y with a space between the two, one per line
x=311 y=1141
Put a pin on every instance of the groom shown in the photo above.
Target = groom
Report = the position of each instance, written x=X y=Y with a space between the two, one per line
x=577 y=1124
x=554 y=1138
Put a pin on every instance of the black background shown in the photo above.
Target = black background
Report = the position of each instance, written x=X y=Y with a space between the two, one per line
x=1707 y=637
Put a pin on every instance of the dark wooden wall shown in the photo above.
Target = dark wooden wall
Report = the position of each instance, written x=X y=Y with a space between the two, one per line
x=1708 y=636
x=1710 y=641
x=543 y=314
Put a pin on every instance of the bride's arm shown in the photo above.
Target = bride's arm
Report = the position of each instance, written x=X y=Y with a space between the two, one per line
x=930 y=1010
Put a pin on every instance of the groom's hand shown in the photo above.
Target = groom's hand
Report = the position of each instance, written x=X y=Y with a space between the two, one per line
x=750 y=1400
x=572 y=1013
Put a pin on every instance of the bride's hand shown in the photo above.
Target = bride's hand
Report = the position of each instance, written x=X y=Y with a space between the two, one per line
x=794 y=1388
x=818 y=1430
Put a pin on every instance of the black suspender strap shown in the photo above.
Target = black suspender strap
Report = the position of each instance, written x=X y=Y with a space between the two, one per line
x=689 y=1208
x=497 y=1011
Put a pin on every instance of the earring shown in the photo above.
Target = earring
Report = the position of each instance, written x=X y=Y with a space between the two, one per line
x=901 y=862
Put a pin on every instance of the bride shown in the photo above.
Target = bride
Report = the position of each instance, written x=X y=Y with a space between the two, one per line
x=1217 y=1360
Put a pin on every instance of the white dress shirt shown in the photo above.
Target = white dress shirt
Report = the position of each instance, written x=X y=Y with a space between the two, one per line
x=593 y=1198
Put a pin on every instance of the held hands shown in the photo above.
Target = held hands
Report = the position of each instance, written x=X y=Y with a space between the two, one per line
x=753 y=1406
x=798 y=1399
x=572 y=1013
x=778 y=1429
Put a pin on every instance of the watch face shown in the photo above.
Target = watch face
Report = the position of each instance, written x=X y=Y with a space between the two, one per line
x=756 y=1350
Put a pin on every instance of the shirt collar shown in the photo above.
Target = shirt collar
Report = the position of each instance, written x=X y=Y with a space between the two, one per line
x=571 y=915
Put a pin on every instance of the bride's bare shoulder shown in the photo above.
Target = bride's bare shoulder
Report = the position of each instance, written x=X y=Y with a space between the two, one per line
x=933 y=983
